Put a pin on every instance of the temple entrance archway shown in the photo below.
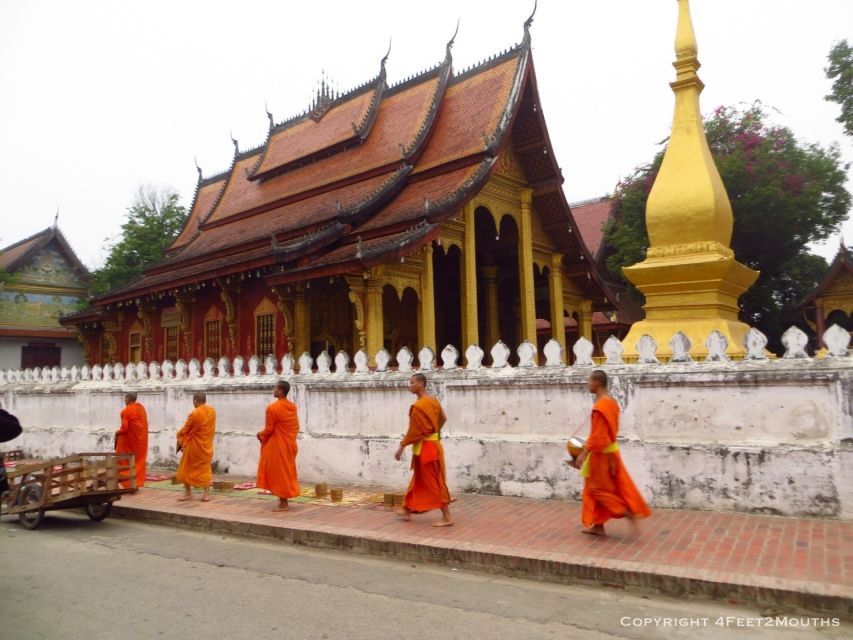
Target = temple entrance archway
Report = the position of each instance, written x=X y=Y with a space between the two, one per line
x=400 y=319
x=447 y=266
x=498 y=287
x=331 y=317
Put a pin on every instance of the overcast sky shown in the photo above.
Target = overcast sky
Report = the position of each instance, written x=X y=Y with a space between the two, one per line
x=97 y=98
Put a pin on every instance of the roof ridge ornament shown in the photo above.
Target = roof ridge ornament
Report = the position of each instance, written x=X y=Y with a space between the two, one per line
x=198 y=168
x=529 y=21
x=384 y=60
x=235 y=143
x=450 y=42
x=269 y=115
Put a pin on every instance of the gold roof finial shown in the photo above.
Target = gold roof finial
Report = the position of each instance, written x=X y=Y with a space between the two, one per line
x=685 y=38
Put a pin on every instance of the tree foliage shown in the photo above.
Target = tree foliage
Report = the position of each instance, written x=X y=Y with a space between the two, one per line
x=840 y=71
x=5 y=277
x=785 y=194
x=153 y=221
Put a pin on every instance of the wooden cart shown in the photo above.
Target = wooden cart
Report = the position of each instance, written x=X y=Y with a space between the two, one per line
x=92 y=481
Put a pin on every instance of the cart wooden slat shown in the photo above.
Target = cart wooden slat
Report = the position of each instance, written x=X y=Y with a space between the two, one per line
x=91 y=480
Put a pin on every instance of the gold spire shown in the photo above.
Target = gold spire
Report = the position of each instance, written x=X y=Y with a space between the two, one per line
x=685 y=38
x=689 y=277
x=688 y=202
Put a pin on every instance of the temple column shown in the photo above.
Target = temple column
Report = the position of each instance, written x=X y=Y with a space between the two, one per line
x=375 y=339
x=230 y=295
x=555 y=297
x=585 y=324
x=302 y=320
x=470 y=330
x=525 y=268
x=820 y=321
x=185 y=306
x=490 y=277
x=426 y=304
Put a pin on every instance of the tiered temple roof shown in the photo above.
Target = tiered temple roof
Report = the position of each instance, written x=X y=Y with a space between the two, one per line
x=17 y=254
x=368 y=176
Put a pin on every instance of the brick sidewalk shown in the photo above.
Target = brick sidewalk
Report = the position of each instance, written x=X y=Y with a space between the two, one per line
x=766 y=560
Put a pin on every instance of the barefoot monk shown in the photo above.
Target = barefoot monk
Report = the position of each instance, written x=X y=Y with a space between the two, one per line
x=277 y=466
x=132 y=437
x=195 y=440
x=608 y=491
x=428 y=488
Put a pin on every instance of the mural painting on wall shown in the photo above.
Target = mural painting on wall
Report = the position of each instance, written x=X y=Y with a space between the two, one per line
x=20 y=307
x=49 y=268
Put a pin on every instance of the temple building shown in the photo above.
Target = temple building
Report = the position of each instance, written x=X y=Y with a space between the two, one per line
x=42 y=278
x=832 y=300
x=420 y=214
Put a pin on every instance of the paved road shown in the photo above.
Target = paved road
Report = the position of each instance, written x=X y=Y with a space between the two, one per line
x=123 y=580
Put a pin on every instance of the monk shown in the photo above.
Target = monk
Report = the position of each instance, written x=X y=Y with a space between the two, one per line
x=133 y=436
x=195 y=439
x=608 y=491
x=277 y=466
x=428 y=487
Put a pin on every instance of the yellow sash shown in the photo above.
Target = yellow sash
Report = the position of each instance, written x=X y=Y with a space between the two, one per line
x=416 y=446
x=611 y=448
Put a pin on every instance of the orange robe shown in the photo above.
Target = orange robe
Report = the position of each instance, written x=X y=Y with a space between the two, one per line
x=608 y=490
x=196 y=438
x=277 y=466
x=428 y=487
x=133 y=438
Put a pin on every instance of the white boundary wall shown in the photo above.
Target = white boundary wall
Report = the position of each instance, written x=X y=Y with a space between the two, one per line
x=765 y=436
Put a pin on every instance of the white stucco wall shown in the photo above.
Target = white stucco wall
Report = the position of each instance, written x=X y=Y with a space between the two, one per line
x=768 y=437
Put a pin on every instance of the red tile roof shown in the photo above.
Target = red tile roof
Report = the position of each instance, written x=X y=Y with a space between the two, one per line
x=399 y=120
x=843 y=262
x=471 y=113
x=591 y=216
x=16 y=254
x=315 y=132
x=286 y=220
x=598 y=319
x=370 y=177
x=205 y=197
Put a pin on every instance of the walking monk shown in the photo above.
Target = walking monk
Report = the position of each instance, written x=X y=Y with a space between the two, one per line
x=428 y=488
x=608 y=491
x=195 y=439
x=277 y=466
x=133 y=436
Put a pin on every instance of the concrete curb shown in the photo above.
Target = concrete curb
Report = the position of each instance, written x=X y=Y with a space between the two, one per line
x=780 y=594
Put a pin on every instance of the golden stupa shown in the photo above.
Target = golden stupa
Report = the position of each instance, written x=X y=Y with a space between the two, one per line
x=690 y=277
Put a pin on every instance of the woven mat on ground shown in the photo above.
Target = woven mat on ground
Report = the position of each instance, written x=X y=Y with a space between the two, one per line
x=351 y=496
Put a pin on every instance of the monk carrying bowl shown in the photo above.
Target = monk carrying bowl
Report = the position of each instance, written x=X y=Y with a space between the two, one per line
x=575 y=446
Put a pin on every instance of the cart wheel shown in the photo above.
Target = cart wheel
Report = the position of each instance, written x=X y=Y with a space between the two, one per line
x=31 y=519
x=98 y=512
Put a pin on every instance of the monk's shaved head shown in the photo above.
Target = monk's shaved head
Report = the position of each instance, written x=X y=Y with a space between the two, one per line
x=600 y=377
x=283 y=388
x=129 y=397
x=200 y=397
x=417 y=384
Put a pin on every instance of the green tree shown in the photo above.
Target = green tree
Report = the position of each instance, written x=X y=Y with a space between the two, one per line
x=785 y=194
x=153 y=221
x=5 y=277
x=840 y=71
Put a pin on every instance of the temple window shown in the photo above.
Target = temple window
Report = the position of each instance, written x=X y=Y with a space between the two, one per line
x=170 y=339
x=265 y=329
x=134 y=347
x=213 y=339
